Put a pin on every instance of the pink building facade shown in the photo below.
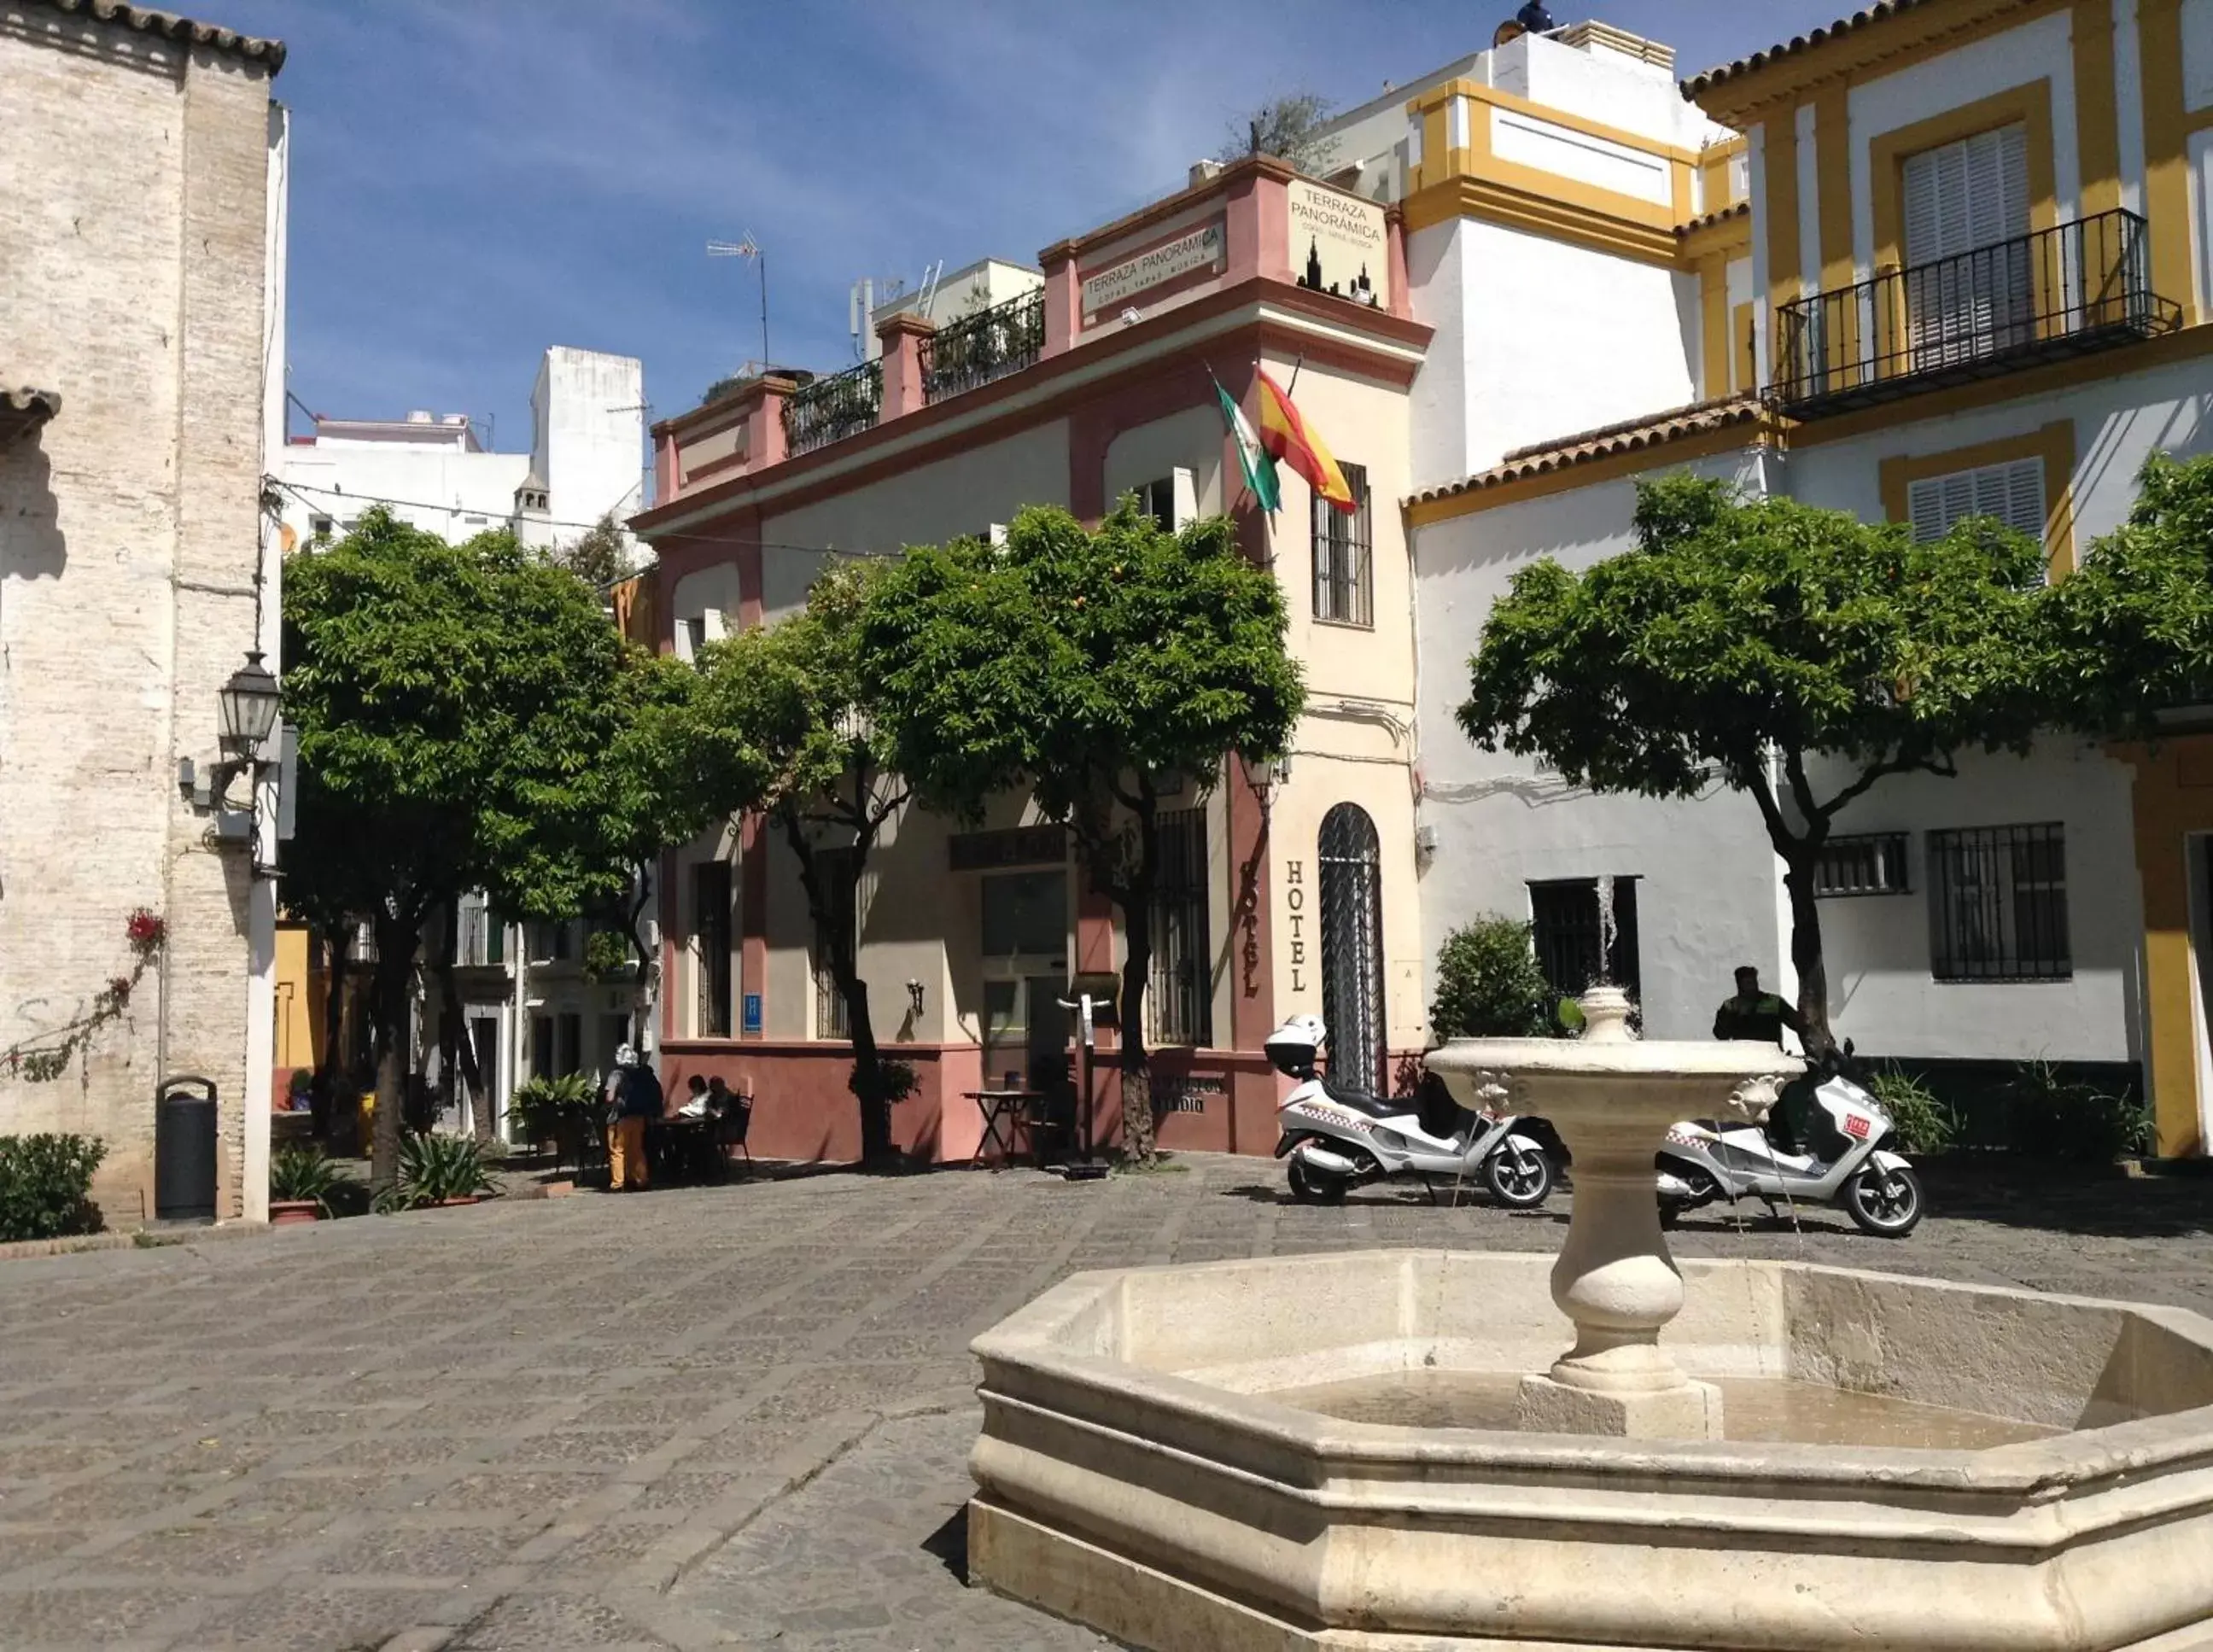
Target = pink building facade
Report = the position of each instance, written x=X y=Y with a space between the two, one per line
x=1296 y=897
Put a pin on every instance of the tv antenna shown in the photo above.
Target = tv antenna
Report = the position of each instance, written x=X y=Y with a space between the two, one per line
x=750 y=249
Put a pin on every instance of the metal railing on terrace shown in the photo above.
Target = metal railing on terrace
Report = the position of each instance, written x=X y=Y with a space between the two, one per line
x=827 y=409
x=970 y=352
x=2063 y=291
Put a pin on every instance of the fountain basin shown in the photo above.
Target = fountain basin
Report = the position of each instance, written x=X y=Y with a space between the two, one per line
x=1157 y=1460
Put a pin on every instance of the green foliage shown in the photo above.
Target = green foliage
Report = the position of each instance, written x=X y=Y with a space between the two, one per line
x=784 y=721
x=1736 y=629
x=550 y=1109
x=607 y=954
x=1735 y=626
x=1288 y=127
x=2134 y=621
x=464 y=713
x=45 y=1184
x=433 y=1168
x=303 y=1173
x=1489 y=984
x=597 y=555
x=469 y=718
x=901 y=1081
x=1925 y=1123
x=2055 y=1117
x=1077 y=667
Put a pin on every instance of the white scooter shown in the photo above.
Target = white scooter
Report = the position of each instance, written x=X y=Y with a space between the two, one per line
x=1336 y=1137
x=1845 y=1163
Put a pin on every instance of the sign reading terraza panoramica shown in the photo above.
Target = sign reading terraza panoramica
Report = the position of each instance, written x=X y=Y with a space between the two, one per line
x=1338 y=245
x=1195 y=249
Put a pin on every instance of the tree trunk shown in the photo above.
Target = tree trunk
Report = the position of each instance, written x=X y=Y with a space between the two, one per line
x=1137 y=1130
x=1806 y=958
x=396 y=942
x=869 y=1086
x=337 y=947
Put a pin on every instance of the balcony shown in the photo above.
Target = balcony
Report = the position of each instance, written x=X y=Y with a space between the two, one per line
x=827 y=409
x=969 y=353
x=2055 y=293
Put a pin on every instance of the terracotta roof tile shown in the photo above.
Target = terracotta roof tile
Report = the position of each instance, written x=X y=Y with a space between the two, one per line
x=1655 y=430
x=184 y=30
x=1880 y=12
x=1708 y=220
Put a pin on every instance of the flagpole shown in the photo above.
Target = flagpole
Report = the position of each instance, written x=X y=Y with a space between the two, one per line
x=1244 y=488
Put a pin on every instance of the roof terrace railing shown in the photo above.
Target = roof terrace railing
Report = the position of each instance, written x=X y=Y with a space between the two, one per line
x=969 y=353
x=829 y=409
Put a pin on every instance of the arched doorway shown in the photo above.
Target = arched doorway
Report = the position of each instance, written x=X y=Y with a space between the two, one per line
x=1352 y=947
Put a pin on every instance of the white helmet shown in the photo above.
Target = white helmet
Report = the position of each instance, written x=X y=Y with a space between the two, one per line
x=1307 y=1030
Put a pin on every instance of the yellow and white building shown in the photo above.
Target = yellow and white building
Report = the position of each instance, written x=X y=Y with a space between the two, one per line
x=1945 y=257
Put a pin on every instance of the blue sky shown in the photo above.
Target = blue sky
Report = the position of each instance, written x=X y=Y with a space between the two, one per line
x=475 y=180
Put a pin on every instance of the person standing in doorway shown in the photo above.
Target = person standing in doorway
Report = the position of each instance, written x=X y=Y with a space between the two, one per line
x=633 y=1097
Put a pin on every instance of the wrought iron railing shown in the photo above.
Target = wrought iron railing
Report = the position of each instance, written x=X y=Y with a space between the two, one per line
x=977 y=349
x=827 y=409
x=2075 y=287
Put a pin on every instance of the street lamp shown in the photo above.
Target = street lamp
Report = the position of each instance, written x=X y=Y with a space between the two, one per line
x=1263 y=775
x=248 y=707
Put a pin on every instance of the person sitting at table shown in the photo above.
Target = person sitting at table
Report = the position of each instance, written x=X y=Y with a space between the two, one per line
x=696 y=1104
x=719 y=1098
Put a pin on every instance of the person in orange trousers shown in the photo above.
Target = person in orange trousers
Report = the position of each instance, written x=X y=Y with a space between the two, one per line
x=633 y=1094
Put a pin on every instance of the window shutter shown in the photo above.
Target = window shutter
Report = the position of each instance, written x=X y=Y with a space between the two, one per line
x=2013 y=493
x=2025 y=496
x=1967 y=194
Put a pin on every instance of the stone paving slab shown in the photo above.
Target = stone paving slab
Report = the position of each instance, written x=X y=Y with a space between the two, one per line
x=730 y=1416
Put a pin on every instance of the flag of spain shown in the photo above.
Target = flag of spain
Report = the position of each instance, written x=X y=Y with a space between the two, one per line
x=1289 y=438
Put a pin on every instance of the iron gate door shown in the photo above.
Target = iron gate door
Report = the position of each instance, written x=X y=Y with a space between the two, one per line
x=1352 y=947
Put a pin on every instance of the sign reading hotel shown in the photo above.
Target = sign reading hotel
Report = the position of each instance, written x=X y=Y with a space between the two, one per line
x=1338 y=245
x=1195 y=249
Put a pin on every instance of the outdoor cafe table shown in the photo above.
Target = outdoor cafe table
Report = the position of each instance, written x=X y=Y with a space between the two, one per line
x=1004 y=1112
x=681 y=1144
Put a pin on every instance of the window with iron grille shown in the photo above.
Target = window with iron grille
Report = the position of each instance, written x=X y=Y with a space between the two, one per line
x=1179 y=998
x=833 y=873
x=1874 y=864
x=1352 y=947
x=1343 y=589
x=1565 y=925
x=1997 y=904
x=710 y=931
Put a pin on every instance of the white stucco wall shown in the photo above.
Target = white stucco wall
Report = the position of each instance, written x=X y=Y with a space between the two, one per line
x=439 y=489
x=1705 y=892
x=1536 y=339
x=589 y=436
x=1877 y=947
x=963 y=493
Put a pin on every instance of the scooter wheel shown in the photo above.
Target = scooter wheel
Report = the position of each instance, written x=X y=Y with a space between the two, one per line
x=1311 y=1187
x=1520 y=1179
x=1884 y=1203
x=1671 y=1212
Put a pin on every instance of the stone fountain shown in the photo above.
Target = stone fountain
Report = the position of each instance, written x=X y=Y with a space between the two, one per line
x=1387 y=1451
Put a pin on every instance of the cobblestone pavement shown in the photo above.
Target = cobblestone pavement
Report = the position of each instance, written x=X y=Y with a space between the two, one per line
x=733 y=1416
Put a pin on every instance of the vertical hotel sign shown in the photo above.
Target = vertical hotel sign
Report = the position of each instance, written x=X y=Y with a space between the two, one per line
x=1337 y=244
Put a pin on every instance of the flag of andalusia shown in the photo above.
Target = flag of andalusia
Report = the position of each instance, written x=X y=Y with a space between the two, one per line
x=1260 y=469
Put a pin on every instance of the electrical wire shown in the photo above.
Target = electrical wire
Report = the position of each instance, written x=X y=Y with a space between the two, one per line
x=301 y=490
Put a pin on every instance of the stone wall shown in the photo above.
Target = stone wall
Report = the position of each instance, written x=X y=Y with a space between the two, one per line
x=132 y=232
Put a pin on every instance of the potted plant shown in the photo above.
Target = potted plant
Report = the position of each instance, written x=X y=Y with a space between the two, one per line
x=300 y=1180
x=436 y=1169
x=563 y=1111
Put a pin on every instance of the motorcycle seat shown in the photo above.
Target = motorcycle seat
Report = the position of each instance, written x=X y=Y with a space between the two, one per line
x=1374 y=1107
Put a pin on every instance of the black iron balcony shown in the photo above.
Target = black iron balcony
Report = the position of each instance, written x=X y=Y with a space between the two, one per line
x=2058 y=292
x=828 y=409
x=991 y=344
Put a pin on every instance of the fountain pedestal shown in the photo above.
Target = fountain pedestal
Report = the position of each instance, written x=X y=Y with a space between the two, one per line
x=1612 y=1098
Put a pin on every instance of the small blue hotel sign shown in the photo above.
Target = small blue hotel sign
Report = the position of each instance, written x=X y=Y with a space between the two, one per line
x=751 y=1023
